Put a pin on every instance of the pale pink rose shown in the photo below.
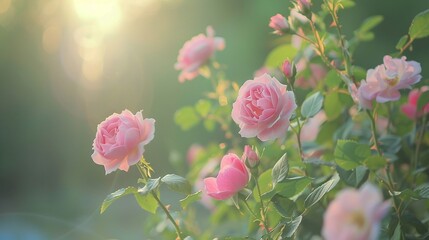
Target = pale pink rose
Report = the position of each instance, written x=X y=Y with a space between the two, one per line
x=263 y=108
x=232 y=177
x=250 y=157
x=410 y=108
x=279 y=23
x=193 y=152
x=355 y=214
x=120 y=139
x=384 y=82
x=196 y=52
x=310 y=130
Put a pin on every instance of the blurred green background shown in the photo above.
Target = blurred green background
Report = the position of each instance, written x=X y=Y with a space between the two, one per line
x=59 y=78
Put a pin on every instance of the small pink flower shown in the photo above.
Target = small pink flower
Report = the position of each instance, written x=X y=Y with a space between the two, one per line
x=232 y=177
x=196 y=52
x=250 y=157
x=410 y=108
x=120 y=139
x=288 y=68
x=279 y=23
x=384 y=82
x=355 y=214
x=263 y=108
x=310 y=130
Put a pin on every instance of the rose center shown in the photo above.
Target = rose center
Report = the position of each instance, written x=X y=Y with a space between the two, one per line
x=357 y=219
x=392 y=81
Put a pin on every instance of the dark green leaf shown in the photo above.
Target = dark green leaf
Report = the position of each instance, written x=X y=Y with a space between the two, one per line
x=277 y=56
x=349 y=154
x=203 y=107
x=320 y=191
x=390 y=143
x=402 y=41
x=177 y=183
x=370 y=23
x=190 y=199
x=312 y=105
x=397 y=234
x=423 y=190
x=420 y=26
x=146 y=202
x=284 y=206
x=151 y=185
x=291 y=227
x=115 y=196
x=355 y=177
x=289 y=187
x=280 y=170
x=186 y=118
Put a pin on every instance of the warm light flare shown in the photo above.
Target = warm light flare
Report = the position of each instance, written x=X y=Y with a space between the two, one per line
x=107 y=14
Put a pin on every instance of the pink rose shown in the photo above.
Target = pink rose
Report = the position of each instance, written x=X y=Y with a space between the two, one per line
x=410 y=108
x=263 y=108
x=250 y=157
x=310 y=130
x=120 y=139
x=232 y=177
x=384 y=82
x=196 y=52
x=355 y=214
x=279 y=24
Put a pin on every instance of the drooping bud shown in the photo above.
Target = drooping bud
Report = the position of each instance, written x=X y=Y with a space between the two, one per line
x=279 y=23
x=250 y=157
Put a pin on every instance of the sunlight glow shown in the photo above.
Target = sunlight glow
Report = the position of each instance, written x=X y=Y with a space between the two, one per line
x=106 y=14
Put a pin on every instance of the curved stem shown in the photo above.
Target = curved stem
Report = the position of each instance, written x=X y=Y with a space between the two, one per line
x=263 y=212
x=374 y=132
x=178 y=232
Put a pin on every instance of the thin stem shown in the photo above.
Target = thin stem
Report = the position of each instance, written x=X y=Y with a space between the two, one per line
x=407 y=45
x=263 y=213
x=418 y=144
x=374 y=132
x=178 y=232
x=251 y=211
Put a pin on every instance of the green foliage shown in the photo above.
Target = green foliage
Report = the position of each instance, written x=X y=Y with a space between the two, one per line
x=291 y=227
x=349 y=154
x=115 y=196
x=333 y=106
x=423 y=100
x=312 y=105
x=290 y=188
x=363 y=33
x=375 y=162
x=186 y=118
x=265 y=183
x=151 y=185
x=203 y=107
x=355 y=177
x=190 y=199
x=320 y=191
x=402 y=41
x=147 y=202
x=280 y=170
x=279 y=54
x=420 y=26
x=177 y=183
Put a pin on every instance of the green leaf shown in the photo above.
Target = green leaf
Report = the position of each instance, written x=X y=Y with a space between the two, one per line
x=147 y=202
x=312 y=105
x=349 y=154
x=397 y=234
x=390 y=143
x=370 y=23
x=375 y=162
x=423 y=100
x=332 y=79
x=279 y=54
x=402 y=41
x=333 y=106
x=151 y=185
x=423 y=190
x=280 y=170
x=115 y=196
x=265 y=183
x=291 y=227
x=190 y=199
x=177 y=183
x=420 y=26
x=203 y=107
x=320 y=191
x=209 y=124
x=186 y=118
x=289 y=187
x=355 y=177
x=284 y=206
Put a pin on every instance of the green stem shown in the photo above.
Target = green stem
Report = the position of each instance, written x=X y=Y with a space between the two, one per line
x=263 y=212
x=374 y=132
x=251 y=211
x=155 y=196
x=178 y=232
x=407 y=45
x=418 y=144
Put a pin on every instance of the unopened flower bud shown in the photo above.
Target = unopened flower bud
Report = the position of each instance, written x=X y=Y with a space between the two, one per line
x=250 y=157
x=288 y=69
x=279 y=23
x=304 y=7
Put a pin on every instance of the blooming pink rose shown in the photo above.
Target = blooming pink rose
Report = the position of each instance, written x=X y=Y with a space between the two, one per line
x=232 y=177
x=120 y=139
x=384 y=82
x=263 y=108
x=355 y=214
x=410 y=108
x=196 y=52
x=279 y=23
x=310 y=130
x=250 y=157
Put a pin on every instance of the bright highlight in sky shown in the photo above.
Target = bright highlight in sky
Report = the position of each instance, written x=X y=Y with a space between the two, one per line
x=105 y=14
